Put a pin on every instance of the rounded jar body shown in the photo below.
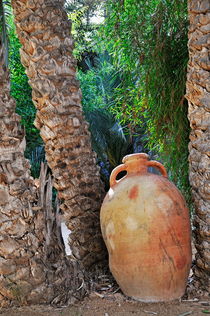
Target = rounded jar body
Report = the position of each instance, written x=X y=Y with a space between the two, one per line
x=146 y=227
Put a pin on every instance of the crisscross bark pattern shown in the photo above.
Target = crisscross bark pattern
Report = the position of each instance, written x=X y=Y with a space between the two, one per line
x=20 y=270
x=33 y=267
x=44 y=32
x=198 y=95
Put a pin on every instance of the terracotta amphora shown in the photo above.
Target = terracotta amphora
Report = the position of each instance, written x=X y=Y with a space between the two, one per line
x=146 y=227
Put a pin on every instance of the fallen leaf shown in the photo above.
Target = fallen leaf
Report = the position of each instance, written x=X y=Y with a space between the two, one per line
x=185 y=314
x=191 y=300
x=206 y=311
x=98 y=294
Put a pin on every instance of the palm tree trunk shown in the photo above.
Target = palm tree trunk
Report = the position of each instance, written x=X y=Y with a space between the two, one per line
x=44 y=32
x=3 y=31
x=198 y=95
x=19 y=272
x=33 y=267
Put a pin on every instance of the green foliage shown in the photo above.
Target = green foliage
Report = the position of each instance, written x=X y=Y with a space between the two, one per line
x=110 y=140
x=148 y=43
x=98 y=84
x=84 y=30
x=37 y=156
x=82 y=39
x=139 y=82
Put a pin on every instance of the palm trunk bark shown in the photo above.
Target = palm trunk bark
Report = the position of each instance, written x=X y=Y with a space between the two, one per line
x=33 y=267
x=18 y=241
x=198 y=95
x=44 y=32
x=3 y=31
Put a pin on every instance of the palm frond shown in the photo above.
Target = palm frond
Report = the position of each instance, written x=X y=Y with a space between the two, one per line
x=36 y=158
x=108 y=137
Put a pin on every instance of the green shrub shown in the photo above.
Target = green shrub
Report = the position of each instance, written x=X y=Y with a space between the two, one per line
x=148 y=43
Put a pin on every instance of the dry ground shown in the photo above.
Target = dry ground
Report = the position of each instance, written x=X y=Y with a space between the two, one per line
x=116 y=305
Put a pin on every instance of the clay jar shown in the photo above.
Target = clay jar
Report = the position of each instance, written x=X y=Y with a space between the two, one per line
x=146 y=227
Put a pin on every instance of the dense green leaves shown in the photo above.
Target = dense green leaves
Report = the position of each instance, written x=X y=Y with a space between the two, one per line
x=110 y=140
x=99 y=83
x=134 y=68
x=148 y=43
x=85 y=16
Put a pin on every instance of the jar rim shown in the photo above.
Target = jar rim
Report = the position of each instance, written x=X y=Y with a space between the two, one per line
x=138 y=156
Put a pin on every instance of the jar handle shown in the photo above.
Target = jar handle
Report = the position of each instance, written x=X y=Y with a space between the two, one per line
x=159 y=166
x=114 y=174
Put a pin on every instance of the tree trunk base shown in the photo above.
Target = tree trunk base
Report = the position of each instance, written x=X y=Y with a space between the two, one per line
x=39 y=272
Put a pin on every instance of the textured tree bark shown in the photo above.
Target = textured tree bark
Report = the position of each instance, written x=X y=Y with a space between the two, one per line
x=17 y=196
x=198 y=95
x=44 y=32
x=33 y=267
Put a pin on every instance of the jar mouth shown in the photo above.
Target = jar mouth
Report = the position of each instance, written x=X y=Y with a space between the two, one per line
x=132 y=157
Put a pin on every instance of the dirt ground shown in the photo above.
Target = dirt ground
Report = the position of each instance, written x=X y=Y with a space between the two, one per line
x=116 y=305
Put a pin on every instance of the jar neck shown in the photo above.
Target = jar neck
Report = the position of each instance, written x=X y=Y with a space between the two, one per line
x=136 y=163
x=136 y=167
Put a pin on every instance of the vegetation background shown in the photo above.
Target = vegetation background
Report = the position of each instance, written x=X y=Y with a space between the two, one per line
x=132 y=58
